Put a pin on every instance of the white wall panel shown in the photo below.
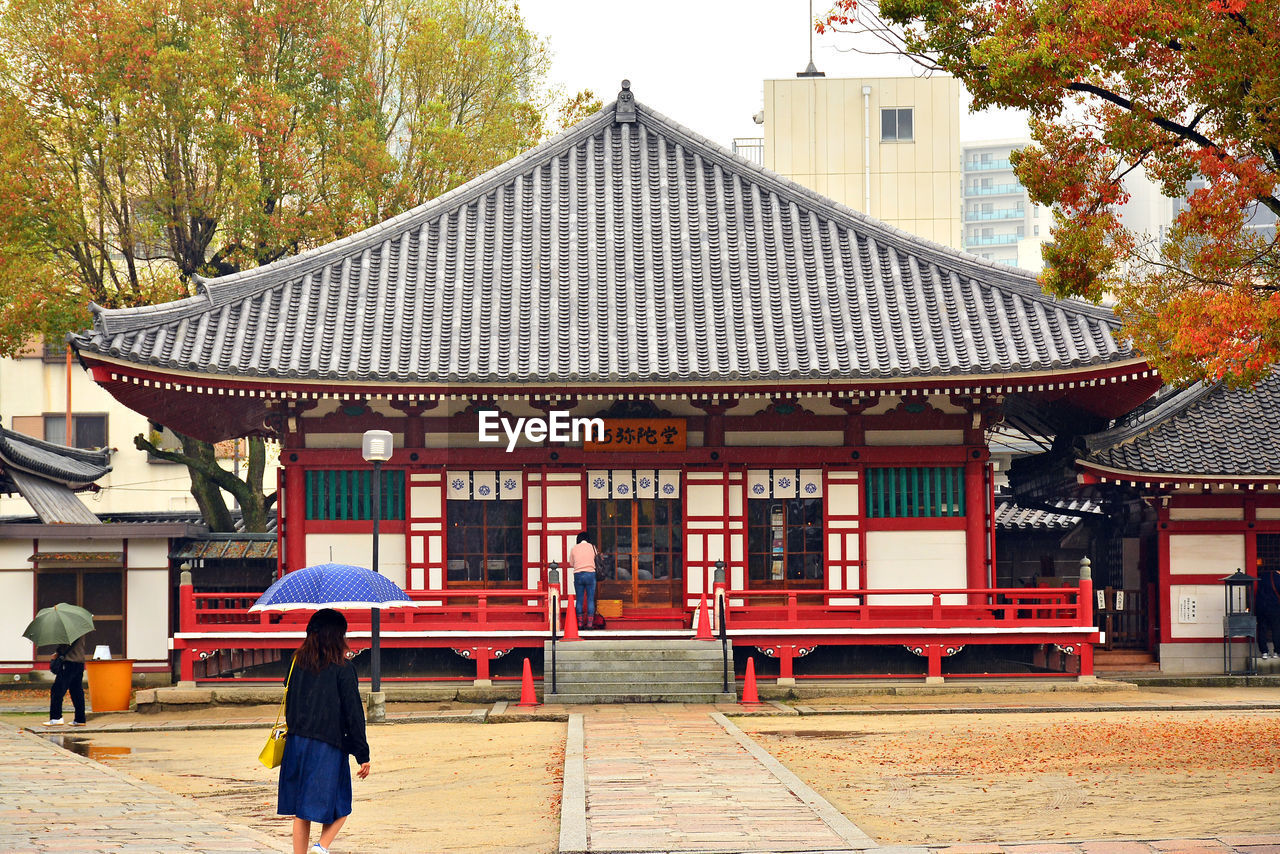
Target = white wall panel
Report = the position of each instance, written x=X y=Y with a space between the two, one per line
x=1209 y=553
x=147 y=618
x=357 y=549
x=924 y=560
x=903 y=438
x=842 y=499
x=148 y=554
x=17 y=595
x=705 y=500
x=1234 y=514
x=564 y=501
x=1197 y=610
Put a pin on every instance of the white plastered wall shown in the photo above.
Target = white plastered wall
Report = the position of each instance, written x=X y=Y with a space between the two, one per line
x=357 y=549
x=17 y=600
x=1205 y=553
x=146 y=628
x=1196 y=610
x=147 y=619
x=916 y=560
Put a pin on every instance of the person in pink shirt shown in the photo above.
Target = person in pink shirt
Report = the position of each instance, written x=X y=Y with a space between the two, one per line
x=582 y=557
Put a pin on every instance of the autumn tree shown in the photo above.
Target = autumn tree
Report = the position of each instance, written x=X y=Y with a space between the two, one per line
x=1188 y=93
x=144 y=142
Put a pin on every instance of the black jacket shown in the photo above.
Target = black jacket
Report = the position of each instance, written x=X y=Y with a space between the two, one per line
x=326 y=706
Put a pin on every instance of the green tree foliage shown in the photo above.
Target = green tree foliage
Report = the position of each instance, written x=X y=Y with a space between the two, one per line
x=1181 y=90
x=143 y=142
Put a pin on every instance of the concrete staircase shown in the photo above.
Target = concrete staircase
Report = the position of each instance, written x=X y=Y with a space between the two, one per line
x=638 y=671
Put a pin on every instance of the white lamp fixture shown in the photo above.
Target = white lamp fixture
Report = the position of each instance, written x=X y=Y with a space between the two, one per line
x=378 y=445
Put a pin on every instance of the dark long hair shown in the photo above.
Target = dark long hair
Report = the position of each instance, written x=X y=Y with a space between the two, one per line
x=326 y=641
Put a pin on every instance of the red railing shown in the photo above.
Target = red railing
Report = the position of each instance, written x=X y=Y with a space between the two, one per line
x=898 y=608
x=487 y=623
x=437 y=611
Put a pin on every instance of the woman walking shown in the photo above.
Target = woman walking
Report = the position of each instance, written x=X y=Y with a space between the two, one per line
x=326 y=722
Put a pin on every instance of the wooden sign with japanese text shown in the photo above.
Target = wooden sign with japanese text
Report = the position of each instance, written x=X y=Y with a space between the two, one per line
x=640 y=434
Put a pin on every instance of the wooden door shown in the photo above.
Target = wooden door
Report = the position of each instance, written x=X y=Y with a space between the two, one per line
x=641 y=550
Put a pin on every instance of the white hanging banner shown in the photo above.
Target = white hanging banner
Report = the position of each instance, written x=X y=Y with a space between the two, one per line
x=646 y=484
x=598 y=484
x=511 y=485
x=759 y=484
x=622 y=483
x=668 y=483
x=459 y=483
x=786 y=483
x=810 y=483
x=484 y=485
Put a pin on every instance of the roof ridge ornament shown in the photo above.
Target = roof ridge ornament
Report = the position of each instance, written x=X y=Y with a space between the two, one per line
x=625 y=110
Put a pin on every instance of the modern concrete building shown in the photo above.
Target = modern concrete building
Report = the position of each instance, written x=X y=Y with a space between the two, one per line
x=888 y=147
x=33 y=401
x=998 y=214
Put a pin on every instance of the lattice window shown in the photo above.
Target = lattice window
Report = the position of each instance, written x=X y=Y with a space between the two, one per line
x=337 y=495
x=915 y=492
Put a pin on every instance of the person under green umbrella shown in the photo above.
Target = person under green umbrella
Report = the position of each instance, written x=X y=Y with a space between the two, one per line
x=65 y=626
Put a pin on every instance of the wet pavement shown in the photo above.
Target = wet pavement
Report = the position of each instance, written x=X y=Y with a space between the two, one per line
x=642 y=777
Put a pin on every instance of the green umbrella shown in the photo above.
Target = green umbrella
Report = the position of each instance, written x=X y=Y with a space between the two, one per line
x=60 y=624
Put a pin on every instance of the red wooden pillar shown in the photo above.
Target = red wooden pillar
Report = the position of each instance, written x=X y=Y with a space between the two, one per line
x=786 y=658
x=295 y=515
x=975 y=528
x=933 y=657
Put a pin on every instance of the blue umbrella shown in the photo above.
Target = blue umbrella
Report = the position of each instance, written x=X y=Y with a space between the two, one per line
x=332 y=585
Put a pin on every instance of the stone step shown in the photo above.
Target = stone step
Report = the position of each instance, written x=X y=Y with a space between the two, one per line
x=639 y=643
x=582 y=698
x=637 y=671
x=649 y=661
x=631 y=684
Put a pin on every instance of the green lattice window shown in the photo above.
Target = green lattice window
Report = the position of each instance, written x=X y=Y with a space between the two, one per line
x=348 y=495
x=915 y=492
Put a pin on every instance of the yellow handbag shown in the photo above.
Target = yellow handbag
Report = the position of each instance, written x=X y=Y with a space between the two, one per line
x=273 y=753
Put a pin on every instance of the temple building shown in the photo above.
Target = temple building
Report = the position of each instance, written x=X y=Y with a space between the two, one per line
x=1206 y=460
x=788 y=391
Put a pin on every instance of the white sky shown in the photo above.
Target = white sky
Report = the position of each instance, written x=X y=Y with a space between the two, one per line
x=703 y=62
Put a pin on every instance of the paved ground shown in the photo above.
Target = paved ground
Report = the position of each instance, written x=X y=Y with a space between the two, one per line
x=54 y=801
x=637 y=778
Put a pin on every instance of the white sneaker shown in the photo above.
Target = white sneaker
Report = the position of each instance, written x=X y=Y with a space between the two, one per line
x=317 y=849
x=53 y=722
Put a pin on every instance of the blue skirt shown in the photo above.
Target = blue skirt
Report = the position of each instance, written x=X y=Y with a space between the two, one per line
x=315 y=781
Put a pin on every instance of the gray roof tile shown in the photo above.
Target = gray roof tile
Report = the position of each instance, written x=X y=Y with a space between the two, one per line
x=1207 y=430
x=623 y=253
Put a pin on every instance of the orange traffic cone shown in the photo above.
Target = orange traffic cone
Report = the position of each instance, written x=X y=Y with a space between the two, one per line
x=750 y=697
x=704 y=622
x=570 y=620
x=527 y=695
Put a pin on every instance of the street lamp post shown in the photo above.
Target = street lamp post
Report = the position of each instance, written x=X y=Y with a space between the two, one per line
x=376 y=448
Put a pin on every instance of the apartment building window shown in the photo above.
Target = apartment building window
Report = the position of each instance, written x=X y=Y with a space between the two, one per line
x=1035 y=231
x=88 y=431
x=896 y=124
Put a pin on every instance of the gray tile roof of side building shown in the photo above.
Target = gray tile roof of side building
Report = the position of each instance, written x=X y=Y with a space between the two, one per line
x=47 y=475
x=1011 y=516
x=1205 y=431
x=618 y=252
x=73 y=467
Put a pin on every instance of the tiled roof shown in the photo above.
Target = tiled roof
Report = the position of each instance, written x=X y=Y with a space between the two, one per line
x=1207 y=430
x=1013 y=516
x=70 y=466
x=46 y=475
x=618 y=252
